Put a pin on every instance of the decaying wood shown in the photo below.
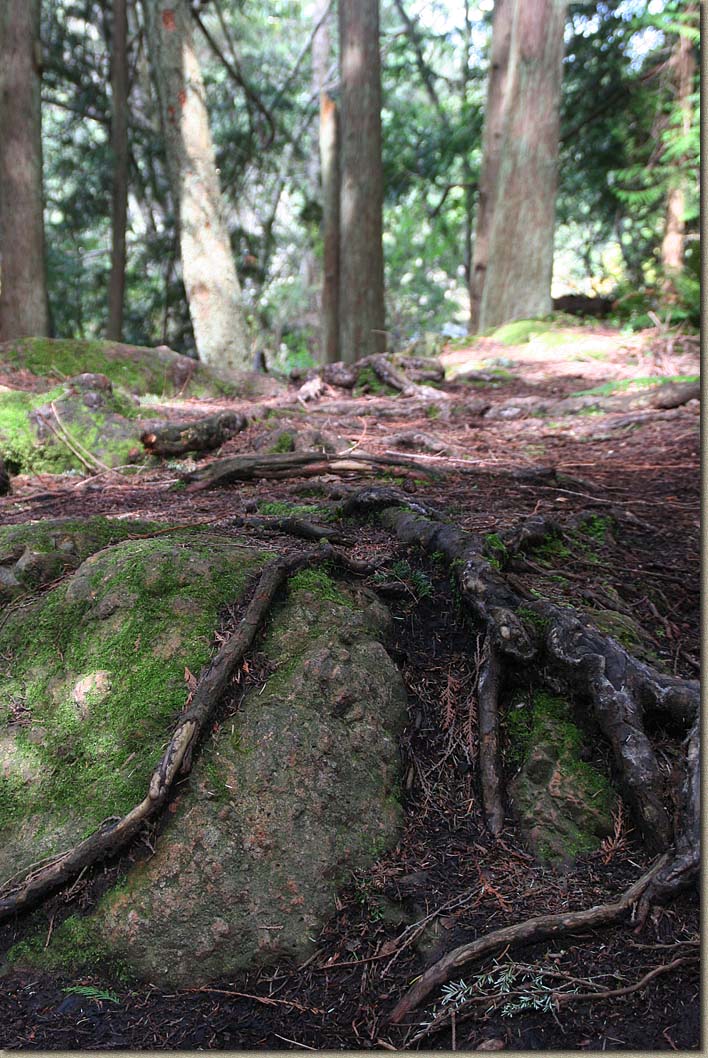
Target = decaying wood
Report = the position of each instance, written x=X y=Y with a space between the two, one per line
x=533 y=929
x=292 y=464
x=204 y=435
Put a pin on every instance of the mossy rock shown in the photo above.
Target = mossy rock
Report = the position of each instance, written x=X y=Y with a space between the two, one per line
x=285 y=800
x=93 y=677
x=137 y=368
x=82 y=422
x=563 y=804
x=32 y=555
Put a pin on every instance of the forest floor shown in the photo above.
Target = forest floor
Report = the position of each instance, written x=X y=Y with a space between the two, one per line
x=455 y=879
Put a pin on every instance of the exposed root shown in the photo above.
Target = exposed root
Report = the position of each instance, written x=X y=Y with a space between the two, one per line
x=533 y=929
x=489 y=760
x=578 y=659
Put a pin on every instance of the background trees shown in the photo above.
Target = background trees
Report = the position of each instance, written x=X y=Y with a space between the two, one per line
x=628 y=153
x=23 y=292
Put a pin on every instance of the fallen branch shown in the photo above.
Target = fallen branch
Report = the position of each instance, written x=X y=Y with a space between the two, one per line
x=534 y=929
x=292 y=464
x=204 y=435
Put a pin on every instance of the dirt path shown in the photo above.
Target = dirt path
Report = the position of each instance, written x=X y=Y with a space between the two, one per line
x=454 y=880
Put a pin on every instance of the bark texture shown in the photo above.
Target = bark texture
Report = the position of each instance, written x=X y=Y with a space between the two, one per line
x=208 y=268
x=361 y=299
x=119 y=148
x=204 y=435
x=24 y=309
x=513 y=252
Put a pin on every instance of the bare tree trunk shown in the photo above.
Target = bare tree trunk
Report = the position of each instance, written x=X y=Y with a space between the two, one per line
x=119 y=146
x=513 y=253
x=361 y=285
x=208 y=268
x=683 y=62
x=329 y=167
x=24 y=308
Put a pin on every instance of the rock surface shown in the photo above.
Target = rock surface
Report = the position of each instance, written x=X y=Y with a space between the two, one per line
x=288 y=796
x=564 y=805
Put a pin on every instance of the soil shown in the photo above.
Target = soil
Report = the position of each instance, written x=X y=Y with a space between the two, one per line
x=447 y=880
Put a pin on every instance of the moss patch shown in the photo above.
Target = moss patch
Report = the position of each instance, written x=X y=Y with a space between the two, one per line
x=41 y=433
x=520 y=331
x=564 y=804
x=138 y=369
x=95 y=672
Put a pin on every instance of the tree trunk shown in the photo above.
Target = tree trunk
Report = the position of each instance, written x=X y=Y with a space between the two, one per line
x=513 y=253
x=208 y=268
x=24 y=309
x=329 y=167
x=119 y=146
x=683 y=61
x=361 y=297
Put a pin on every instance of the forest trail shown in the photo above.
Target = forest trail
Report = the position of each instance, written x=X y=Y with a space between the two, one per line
x=487 y=460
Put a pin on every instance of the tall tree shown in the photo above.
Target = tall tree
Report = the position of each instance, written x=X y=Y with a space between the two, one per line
x=119 y=149
x=208 y=269
x=513 y=252
x=683 y=68
x=24 y=309
x=329 y=184
x=361 y=280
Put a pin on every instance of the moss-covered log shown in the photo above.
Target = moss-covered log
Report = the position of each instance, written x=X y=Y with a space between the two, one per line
x=204 y=435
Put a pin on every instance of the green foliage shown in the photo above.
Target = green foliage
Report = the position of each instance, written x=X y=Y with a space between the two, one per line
x=417 y=582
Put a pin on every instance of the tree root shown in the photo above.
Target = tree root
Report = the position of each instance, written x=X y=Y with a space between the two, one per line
x=204 y=435
x=488 y=719
x=528 y=932
x=402 y=373
x=176 y=761
x=575 y=658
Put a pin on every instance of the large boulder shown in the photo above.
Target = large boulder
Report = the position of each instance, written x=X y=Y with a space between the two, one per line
x=289 y=794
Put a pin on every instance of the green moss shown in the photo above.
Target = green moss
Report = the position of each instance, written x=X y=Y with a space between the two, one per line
x=533 y=618
x=320 y=584
x=282 y=509
x=626 y=384
x=284 y=443
x=496 y=550
x=25 y=452
x=75 y=945
x=95 y=762
x=369 y=382
x=18 y=443
x=596 y=527
x=519 y=331
x=432 y=411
